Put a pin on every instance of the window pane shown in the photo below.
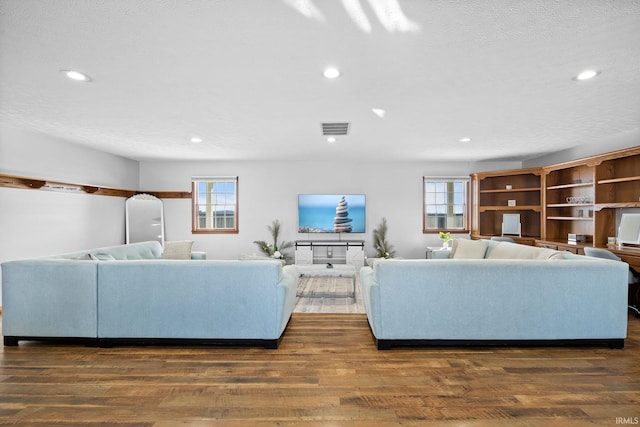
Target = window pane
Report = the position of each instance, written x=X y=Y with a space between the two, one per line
x=445 y=204
x=215 y=205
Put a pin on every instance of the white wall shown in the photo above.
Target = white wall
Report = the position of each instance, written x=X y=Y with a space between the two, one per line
x=38 y=222
x=35 y=155
x=615 y=142
x=269 y=190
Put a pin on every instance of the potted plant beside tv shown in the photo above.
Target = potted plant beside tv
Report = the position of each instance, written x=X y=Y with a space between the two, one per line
x=383 y=248
x=275 y=249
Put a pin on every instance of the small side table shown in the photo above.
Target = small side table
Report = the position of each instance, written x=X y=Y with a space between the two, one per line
x=438 y=252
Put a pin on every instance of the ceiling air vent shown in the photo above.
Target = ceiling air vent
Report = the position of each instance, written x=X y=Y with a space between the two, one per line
x=335 y=129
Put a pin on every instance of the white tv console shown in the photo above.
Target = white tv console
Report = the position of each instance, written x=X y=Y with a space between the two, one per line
x=330 y=251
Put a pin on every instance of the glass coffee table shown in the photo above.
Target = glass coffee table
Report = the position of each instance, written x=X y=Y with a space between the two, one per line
x=346 y=271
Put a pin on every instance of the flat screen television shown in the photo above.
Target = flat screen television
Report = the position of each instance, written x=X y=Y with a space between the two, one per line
x=331 y=213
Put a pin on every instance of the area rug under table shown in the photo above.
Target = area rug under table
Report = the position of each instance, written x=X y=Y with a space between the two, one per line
x=328 y=295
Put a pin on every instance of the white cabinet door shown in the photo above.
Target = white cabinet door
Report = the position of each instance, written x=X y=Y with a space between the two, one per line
x=304 y=254
x=355 y=256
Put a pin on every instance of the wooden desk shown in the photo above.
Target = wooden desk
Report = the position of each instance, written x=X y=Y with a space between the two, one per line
x=630 y=255
x=575 y=248
x=531 y=241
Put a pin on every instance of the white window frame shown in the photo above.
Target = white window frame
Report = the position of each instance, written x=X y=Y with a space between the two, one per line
x=216 y=203
x=445 y=203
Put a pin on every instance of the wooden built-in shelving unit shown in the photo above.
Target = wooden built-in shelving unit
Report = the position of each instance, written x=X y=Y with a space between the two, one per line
x=568 y=200
x=576 y=197
x=608 y=181
x=491 y=193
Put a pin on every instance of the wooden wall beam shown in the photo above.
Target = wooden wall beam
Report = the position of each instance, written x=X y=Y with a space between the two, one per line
x=12 y=181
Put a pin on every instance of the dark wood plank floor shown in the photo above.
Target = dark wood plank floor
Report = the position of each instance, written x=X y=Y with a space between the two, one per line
x=327 y=372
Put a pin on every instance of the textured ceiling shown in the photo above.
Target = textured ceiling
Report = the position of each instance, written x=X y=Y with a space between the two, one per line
x=246 y=76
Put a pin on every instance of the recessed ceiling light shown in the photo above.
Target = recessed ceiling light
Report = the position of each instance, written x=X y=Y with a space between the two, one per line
x=331 y=73
x=379 y=112
x=196 y=140
x=586 y=75
x=465 y=139
x=76 y=75
x=331 y=139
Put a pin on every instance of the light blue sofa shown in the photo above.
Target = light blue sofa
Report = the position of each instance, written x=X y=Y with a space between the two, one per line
x=541 y=297
x=141 y=298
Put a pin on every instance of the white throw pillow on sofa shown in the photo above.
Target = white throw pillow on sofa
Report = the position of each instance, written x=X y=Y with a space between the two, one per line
x=470 y=249
x=507 y=250
x=177 y=249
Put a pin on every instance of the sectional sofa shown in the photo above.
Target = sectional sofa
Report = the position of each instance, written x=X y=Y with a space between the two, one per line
x=496 y=293
x=130 y=294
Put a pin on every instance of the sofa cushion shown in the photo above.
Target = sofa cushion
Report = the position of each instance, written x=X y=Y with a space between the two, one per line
x=130 y=251
x=140 y=250
x=507 y=250
x=177 y=249
x=102 y=256
x=372 y=262
x=465 y=248
x=254 y=257
x=560 y=255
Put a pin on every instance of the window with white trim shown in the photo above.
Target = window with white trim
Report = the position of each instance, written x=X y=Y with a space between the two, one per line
x=445 y=205
x=215 y=204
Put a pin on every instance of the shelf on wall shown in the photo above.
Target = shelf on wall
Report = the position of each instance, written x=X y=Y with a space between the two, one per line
x=569 y=205
x=623 y=179
x=616 y=205
x=512 y=190
x=571 y=218
x=12 y=181
x=534 y=208
x=574 y=185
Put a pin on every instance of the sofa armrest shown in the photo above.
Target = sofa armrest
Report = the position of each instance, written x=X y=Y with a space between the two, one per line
x=50 y=298
x=287 y=288
x=370 y=297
